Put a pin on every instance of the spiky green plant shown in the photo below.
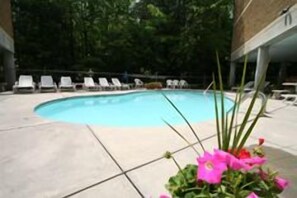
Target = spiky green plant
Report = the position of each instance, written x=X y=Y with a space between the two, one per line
x=226 y=128
x=231 y=137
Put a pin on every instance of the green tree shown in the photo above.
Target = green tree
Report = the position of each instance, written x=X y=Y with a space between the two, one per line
x=168 y=37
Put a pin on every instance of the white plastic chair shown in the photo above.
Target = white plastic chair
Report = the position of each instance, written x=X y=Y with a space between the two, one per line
x=104 y=84
x=247 y=87
x=66 y=84
x=138 y=83
x=25 y=83
x=175 y=84
x=89 y=84
x=169 y=83
x=290 y=98
x=47 y=84
x=116 y=82
x=183 y=84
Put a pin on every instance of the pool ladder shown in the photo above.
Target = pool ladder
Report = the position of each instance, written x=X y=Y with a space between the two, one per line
x=209 y=86
x=261 y=95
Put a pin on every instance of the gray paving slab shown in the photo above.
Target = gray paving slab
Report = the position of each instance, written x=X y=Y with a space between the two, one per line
x=51 y=161
x=294 y=147
x=286 y=165
x=277 y=131
x=278 y=126
x=18 y=110
x=151 y=179
x=136 y=146
x=132 y=147
x=118 y=187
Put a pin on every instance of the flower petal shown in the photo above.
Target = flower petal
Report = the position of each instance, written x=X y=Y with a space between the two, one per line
x=255 y=161
x=281 y=183
x=210 y=168
x=261 y=141
x=252 y=195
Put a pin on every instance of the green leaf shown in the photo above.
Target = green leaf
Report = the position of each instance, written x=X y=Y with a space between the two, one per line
x=187 y=122
x=224 y=139
x=178 y=186
x=238 y=180
x=237 y=104
x=181 y=136
x=216 y=112
x=244 y=123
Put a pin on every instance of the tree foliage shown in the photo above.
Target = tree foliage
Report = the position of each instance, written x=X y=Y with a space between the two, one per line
x=168 y=37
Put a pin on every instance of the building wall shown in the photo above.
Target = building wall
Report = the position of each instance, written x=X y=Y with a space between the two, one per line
x=251 y=16
x=5 y=17
x=8 y=73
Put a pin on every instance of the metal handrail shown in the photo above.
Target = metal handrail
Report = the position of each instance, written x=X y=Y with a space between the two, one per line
x=205 y=91
x=86 y=72
x=251 y=94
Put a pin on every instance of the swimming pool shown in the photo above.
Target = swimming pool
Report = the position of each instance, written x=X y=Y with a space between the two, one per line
x=147 y=108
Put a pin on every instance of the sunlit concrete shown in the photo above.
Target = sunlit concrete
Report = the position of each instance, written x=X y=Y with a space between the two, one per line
x=44 y=158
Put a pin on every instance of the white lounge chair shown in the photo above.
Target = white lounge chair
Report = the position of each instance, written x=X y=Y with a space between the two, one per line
x=290 y=98
x=138 y=83
x=175 y=84
x=278 y=92
x=47 y=84
x=169 y=83
x=104 y=84
x=118 y=84
x=249 y=86
x=66 y=84
x=265 y=87
x=183 y=84
x=89 y=84
x=25 y=83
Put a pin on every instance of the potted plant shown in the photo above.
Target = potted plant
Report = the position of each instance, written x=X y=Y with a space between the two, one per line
x=230 y=170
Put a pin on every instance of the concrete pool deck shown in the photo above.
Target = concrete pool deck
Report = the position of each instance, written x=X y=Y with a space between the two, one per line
x=44 y=158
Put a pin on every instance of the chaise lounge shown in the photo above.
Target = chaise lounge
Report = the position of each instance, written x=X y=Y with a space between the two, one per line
x=105 y=85
x=47 y=84
x=116 y=82
x=89 y=84
x=25 y=84
x=66 y=84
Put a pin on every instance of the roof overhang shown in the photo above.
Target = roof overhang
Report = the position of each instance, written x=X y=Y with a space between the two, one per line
x=280 y=36
x=6 y=42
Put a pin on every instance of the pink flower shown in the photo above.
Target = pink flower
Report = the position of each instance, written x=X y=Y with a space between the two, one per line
x=281 y=183
x=233 y=162
x=211 y=168
x=237 y=164
x=252 y=195
x=222 y=155
x=263 y=175
x=254 y=161
x=261 y=141
x=164 y=196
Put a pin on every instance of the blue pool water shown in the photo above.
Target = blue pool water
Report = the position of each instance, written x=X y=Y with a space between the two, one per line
x=148 y=108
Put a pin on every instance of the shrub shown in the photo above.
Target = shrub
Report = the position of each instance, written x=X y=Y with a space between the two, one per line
x=153 y=85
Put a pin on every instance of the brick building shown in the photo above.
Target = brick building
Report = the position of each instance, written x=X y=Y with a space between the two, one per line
x=7 y=67
x=266 y=31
